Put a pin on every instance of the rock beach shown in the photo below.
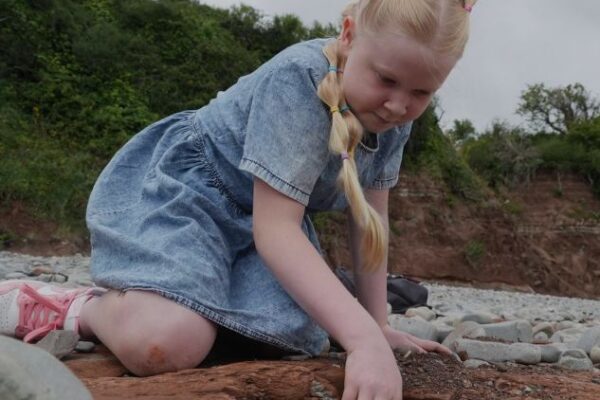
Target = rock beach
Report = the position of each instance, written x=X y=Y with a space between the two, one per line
x=487 y=328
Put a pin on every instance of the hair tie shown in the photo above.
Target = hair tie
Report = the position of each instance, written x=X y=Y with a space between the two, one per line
x=333 y=68
x=345 y=108
x=468 y=5
x=334 y=109
x=344 y=155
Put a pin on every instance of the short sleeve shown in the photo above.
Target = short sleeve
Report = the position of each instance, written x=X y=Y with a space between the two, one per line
x=287 y=132
x=391 y=152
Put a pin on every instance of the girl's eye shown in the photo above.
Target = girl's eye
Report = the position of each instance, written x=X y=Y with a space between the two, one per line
x=421 y=93
x=385 y=80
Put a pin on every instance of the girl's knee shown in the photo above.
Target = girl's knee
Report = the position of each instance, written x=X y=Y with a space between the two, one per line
x=159 y=335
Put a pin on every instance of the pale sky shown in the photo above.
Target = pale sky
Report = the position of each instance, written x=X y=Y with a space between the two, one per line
x=513 y=43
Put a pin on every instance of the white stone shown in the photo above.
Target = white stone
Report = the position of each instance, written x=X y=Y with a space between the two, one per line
x=415 y=326
x=575 y=360
x=28 y=372
x=512 y=331
x=443 y=331
x=570 y=336
x=589 y=338
x=551 y=352
x=524 y=353
x=423 y=312
x=545 y=327
x=559 y=326
x=480 y=317
x=540 y=337
x=467 y=329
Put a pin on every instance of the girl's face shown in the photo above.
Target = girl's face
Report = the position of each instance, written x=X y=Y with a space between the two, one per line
x=389 y=79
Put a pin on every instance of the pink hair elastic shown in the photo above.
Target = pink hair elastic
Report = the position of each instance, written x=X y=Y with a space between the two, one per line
x=345 y=155
x=468 y=7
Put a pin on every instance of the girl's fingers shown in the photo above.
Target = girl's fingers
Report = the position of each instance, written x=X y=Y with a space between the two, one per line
x=429 y=345
x=350 y=393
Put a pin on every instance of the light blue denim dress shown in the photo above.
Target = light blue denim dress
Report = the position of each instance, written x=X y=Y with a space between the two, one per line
x=172 y=211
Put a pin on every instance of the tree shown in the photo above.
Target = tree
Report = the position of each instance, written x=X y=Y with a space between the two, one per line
x=461 y=131
x=503 y=155
x=557 y=108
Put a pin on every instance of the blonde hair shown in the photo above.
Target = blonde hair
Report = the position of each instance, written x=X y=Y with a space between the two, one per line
x=442 y=26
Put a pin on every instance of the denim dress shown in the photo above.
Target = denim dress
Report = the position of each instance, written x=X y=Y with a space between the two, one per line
x=172 y=211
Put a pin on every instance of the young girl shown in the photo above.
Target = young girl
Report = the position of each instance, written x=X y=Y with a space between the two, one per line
x=200 y=221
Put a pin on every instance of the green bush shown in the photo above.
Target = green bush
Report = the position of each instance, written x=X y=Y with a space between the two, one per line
x=430 y=150
x=503 y=156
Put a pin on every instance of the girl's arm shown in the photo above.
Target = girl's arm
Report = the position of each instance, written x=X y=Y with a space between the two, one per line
x=304 y=274
x=371 y=287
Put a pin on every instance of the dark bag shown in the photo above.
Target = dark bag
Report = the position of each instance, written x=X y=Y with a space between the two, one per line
x=402 y=292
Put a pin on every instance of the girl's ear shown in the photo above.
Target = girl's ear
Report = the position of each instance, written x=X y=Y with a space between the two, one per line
x=348 y=34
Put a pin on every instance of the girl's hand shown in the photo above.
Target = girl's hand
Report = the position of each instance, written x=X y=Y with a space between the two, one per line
x=372 y=373
x=405 y=342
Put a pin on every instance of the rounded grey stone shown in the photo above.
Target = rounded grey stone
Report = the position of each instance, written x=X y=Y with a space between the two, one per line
x=589 y=339
x=523 y=353
x=512 y=331
x=87 y=347
x=551 y=352
x=480 y=317
x=39 y=375
x=545 y=327
x=423 y=312
x=575 y=359
x=59 y=343
x=468 y=329
x=571 y=336
x=415 y=326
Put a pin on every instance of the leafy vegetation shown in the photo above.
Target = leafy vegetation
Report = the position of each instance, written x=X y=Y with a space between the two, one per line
x=564 y=137
x=79 y=78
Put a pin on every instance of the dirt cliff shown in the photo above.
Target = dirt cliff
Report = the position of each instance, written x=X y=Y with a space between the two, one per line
x=542 y=237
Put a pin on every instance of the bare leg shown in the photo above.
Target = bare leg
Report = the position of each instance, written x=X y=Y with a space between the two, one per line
x=148 y=333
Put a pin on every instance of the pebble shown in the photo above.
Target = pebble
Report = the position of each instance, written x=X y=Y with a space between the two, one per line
x=511 y=331
x=424 y=312
x=543 y=327
x=480 y=318
x=85 y=347
x=551 y=352
x=29 y=372
x=59 y=343
x=575 y=359
x=570 y=336
x=457 y=315
x=589 y=339
x=415 y=326
x=468 y=329
x=524 y=353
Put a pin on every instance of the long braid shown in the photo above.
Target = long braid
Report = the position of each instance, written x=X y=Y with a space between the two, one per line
x=443 y=26
x=346 y=133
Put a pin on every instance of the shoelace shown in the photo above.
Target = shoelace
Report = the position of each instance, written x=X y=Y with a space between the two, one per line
x=35 y=312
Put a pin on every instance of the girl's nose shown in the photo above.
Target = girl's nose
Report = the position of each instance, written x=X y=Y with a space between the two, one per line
x=397 y=105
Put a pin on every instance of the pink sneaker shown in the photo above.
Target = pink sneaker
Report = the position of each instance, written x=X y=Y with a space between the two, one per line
x=31 y=309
